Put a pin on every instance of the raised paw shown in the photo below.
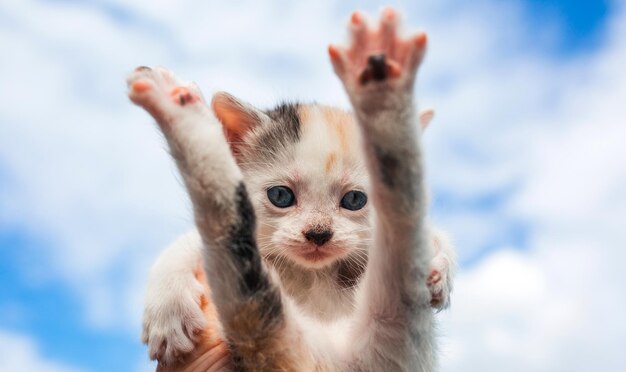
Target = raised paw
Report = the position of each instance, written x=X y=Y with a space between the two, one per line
x=377 y=54
x=174 y=320
x=161 y=93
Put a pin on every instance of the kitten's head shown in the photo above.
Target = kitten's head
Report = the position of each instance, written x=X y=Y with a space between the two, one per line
x=305 y=171
x=306 y=176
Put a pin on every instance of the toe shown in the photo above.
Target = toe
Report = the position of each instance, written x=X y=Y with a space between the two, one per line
x=417 y=49
x=358 y=28
x=388 y=30
x=359 y=34
x=434 y=277
x=140 y=86
x=337 y=58
x=157 y=348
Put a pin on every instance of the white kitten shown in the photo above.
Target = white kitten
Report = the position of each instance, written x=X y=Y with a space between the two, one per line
x=340 y=246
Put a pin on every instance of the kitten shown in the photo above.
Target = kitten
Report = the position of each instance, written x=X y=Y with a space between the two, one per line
x=174 y=317
x=332 y=272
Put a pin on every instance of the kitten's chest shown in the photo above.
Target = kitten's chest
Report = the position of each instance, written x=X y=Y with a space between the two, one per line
x=320 y=297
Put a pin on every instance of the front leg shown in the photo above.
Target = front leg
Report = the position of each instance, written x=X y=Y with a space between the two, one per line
x=248 y=302
x=394 y=326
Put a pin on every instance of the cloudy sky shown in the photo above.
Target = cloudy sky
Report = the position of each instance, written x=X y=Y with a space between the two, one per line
x=526 y=163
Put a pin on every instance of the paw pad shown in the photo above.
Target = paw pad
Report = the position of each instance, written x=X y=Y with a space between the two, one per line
x=183 y=96
x=377 y=69
x=141 y=86
x=434 y=277
x=436 y=299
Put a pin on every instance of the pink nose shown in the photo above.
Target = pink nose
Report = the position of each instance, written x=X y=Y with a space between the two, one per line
x=318 y=237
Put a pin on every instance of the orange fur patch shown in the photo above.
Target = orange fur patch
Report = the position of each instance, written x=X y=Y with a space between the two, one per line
x=198 y=272
x=268 y=346
x=204 y=302
x=330 y=161
x=304 y=112
x=342 y=124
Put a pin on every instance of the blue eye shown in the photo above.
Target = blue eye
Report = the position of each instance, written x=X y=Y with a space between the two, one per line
x=353 y=200
x=281 y=196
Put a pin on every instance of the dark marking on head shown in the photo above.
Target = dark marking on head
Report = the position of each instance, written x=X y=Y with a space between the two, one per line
x=377 y=69
x=388 y=167
x=287 y=113
x=283 y=130
x=143 y=68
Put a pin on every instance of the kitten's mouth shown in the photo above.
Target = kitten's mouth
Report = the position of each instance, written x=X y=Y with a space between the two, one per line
x=315 y=254
x=318 y=255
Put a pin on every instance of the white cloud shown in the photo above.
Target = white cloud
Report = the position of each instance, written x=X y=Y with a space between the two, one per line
x=557 y=306
x=20 y=354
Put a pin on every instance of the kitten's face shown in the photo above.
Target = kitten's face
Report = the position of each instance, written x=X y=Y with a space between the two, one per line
x=305 y=171
x=306 y=175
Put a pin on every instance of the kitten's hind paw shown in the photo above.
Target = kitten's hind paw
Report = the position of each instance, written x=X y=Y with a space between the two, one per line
x=161 y=93
x=174 y=321
x=439 y=290
x=442 y=268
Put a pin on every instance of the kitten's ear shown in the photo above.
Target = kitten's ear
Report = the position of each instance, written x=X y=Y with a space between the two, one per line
x=237 y=117
x=425 y=117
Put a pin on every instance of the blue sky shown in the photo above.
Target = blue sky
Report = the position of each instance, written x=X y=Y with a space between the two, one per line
x=523 y=156
x=582 y=21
